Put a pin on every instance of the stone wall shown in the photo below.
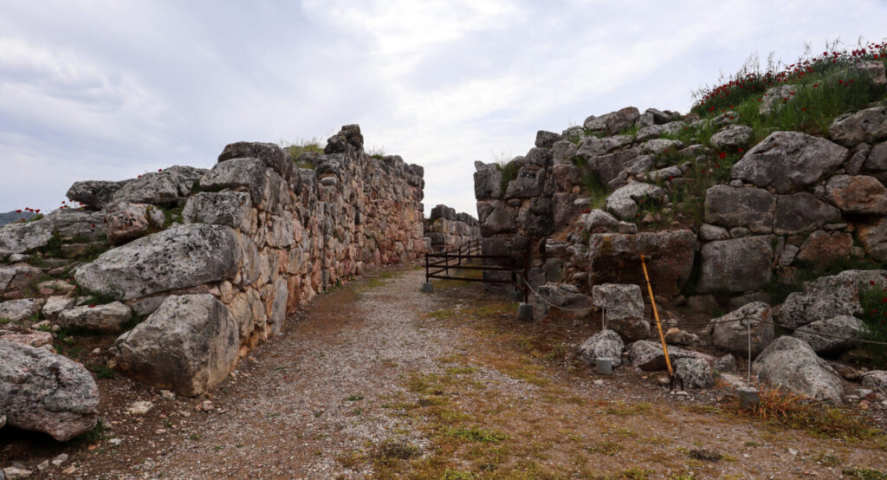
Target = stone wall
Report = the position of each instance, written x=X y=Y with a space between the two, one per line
x=254 y=233
x=447 y=229
x=790 y=202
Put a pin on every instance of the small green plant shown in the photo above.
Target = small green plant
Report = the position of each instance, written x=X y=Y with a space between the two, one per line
x=596 y=190
x=102 y=371
x=509 y=172
x=874 y=318
x=354 y=398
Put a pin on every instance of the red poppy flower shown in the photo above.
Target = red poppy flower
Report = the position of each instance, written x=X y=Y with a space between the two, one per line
x=37 y=211
x=93 y=225
x=871 y=282
x=159 y=169
x=722 y=155
x=815 y=85
x=18 y=211
x=741 y=150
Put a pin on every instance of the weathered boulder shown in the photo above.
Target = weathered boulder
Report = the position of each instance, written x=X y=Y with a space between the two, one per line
x=676 y=336
x=802 y=212
x=615 y=258
x=127 y=221
x=17 y=276
x=30 y=338
x=693 y=372
x=546 y=139
x=831 y=336
x=55 y=305
x=614 y=122
x=737 y=265
x=858 y=194
x=77 y=225
x=650 y=132
x=774 y=98
x=869 y=126
x=179 y=257
x=94 y=194
x=107 y=318
x=566 y=296
x=623 y=309
x=623 y=202
x=609 y=168
x=708 y=233
x=828 y=297
x=875 y=380
x=166 y=187
x=790 y=363
x=727 y=363
x=732 y=207
x=604 y=344
x=219 y=208
x=253 y=175
x=528 y=184
x=648 y=356
x=661 y=146
x=822 y=247
x=21 y=309
x=496 y=217
x=874 y=238
x=598 y=221
x=732 y=137
x=749 y=326
x=45 y=392
x=270 y=154
x=789 y=161
x=874 y=159
x=487 y=181
x=188 y=346
x=21 y=237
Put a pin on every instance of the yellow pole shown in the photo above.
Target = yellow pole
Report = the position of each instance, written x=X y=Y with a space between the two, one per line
x=656 y=316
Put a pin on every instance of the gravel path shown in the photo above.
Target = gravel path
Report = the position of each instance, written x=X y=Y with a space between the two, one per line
x=377 y=361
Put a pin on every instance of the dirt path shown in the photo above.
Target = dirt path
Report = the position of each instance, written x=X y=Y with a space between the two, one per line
x=378 y=380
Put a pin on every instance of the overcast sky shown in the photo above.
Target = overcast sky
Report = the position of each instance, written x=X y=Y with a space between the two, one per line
x=109 y=90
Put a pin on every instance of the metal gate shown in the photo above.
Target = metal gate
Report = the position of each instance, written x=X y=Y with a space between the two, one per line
x=438 y=265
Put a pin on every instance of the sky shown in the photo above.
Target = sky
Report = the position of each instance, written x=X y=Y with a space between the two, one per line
x=97 y=90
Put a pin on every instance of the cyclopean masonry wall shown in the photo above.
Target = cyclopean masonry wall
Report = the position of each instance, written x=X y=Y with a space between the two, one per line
x=447 y=229
x=790 y=201
x=216 y=260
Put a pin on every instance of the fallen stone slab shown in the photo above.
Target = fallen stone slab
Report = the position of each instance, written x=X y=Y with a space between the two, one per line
x=832 y=336
x=604 y=344
x=750 y=325
x=792 y=364
x=107 y=318
x=648 y=356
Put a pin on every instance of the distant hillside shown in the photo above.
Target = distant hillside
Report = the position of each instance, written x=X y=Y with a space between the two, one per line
x=10 y=217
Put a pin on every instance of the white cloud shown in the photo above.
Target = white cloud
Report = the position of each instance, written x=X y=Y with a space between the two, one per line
x=97 y=90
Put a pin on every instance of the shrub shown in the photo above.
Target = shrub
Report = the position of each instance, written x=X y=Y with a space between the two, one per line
x=509 y=172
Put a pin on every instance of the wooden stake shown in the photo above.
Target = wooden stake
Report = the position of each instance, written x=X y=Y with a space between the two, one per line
x=656 y=316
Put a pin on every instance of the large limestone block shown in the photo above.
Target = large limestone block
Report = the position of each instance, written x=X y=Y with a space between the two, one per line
x=107 y=318
x=496 y=217
x=623 y=309
x=45 y=392
x=649 y=356
x=789 y=161
x=749 y=326
x=874 y=238
x=219 y=208
x=858 y=194
x=179 y=257
x=737 y=265
x=802 y=212
x=95 y=194
x=828 y=297
x=732 y=207
x=21 y=237
x=869 y=126
x=188 y=345
x=127 y=221
x=166 y=187
x=624 y=202
x=252 y=174
x=790 y=363
x=270 y=154
x=832 y=336
x=615 y=258
x=20 y=309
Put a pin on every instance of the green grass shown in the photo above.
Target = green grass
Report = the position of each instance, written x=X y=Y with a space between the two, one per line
x=477 y=435
x=298 y=149
x=874 y=318
x=102 y=371
x=509 y=172
x=596 y=190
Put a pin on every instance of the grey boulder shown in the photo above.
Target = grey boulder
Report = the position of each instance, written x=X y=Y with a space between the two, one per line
x=790 y=363
x=869 y=126
x=693 y=373
x=160 y=188
x=221 y=208
x=788 y=161
x=649 y=356
x=604 y=344
x=828 y=297
x=875 y=380
x=45 y=392
x=737 y=265
x=831 y=336
x=21 y=237
x=623 y=202
x=106 y=318
x=21 y=309
x=745 y=332
x=179 y=257
x=731 y=207
x=731 y=137
x=95 y=194
x=188 y=346
x=623 y=309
